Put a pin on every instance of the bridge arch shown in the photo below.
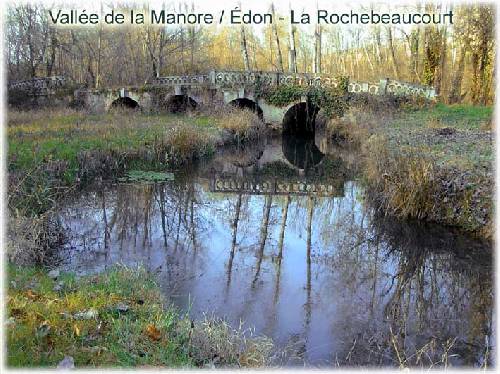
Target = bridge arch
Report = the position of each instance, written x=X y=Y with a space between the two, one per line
x=244 y=103
x=299 y=119
x=125 y=103
x=180 y=103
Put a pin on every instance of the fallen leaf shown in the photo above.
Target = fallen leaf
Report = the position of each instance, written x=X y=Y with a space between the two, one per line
x=76 y=329
x=31 y=295
x=153 y=333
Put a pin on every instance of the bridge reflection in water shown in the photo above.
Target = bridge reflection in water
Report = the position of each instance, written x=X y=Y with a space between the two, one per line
x=296 y=170
x=324 y=276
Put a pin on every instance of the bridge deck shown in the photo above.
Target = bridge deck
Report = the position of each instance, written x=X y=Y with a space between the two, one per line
x=244 y=79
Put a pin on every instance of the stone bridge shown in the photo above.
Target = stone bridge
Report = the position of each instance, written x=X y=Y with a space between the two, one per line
x=177 y=93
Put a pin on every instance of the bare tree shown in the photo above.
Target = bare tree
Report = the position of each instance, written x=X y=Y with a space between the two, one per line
x=277 y=39
x=244 y=49
x=317 y=50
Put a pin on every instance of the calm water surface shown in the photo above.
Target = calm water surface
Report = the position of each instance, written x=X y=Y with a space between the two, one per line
x=278 y=235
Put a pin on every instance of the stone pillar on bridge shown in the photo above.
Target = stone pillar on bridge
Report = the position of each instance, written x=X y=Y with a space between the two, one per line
x=382 y=88
x=211 y=77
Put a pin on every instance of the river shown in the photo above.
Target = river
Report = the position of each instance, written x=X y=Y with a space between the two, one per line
x=279 y=236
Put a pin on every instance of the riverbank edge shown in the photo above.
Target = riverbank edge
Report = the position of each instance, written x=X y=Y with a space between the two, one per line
x=406 y=183
x=42 y=180
x=60 y=319
x=47 y=322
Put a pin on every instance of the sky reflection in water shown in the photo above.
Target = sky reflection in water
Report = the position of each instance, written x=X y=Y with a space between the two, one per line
x=333 y=284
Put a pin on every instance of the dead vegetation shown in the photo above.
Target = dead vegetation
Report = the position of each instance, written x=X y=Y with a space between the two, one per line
x=55 y=151
x=33 y=240
x=433 y=164
x=244 y=124
x=214 y=343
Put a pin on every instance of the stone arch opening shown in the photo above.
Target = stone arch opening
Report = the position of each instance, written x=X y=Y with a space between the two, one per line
x=244 y=103
x=300 y=120
x=125 y=103
x=180 y=104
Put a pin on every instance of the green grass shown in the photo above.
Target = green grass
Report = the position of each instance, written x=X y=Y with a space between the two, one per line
x=460 y=116
x=49 y=151
x=63 y=136
x=85 y=319
x=469 y=148
x=433 y=163
x=147 y=334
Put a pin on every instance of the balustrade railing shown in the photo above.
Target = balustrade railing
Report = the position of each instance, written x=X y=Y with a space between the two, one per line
x=238 y=79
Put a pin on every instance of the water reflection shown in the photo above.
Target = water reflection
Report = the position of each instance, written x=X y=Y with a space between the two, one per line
x=311 y=267
x=301 y=152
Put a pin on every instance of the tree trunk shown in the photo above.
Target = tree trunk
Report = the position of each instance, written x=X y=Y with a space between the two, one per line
x=442 y=60
x=292 y=59
x=455 y=94
x=277 y=39
x=244 y=49
x=393 y=53
x=414 y=47
x=98 y=67
x=317 y=50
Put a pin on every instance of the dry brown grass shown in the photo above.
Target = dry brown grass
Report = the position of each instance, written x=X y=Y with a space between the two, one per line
x=214 y=343
x=22 y=117
x=32 y=240
x=355 y=126
x=184 y=142
x=489 y=125
x=406 y=182
x=434 y=123
x=242 y=123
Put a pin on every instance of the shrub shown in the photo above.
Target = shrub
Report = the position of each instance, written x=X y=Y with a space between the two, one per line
x=330 y=99
x=354 y=127
x=406 y=182
x=185 y=142
x=244 y=124
x=33 y=241
x=215 y=342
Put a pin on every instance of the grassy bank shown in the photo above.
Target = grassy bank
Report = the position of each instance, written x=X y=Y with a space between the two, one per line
x=433 y=163
x=52 y=153
x=100 y=321
x=49 y=150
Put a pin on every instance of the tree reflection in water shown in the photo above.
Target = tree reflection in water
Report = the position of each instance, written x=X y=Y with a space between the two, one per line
x=327 y=279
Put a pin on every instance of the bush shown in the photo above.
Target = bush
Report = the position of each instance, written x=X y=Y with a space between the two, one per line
x=330 y=99
x=215 y=342
x=243 y=124
x=183 y=143
x=33 y=241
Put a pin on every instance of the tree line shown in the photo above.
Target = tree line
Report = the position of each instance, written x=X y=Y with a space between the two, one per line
x=458 y=59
